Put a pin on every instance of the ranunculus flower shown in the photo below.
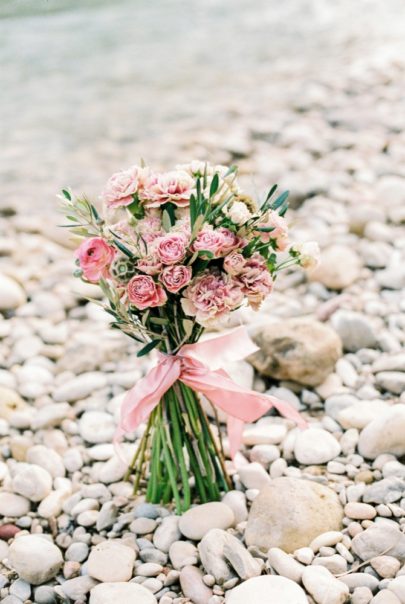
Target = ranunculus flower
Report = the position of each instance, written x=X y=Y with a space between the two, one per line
x=279 y=232
x=210 y=240
x=122 y=186
x=143 y=292
x=230 y=241
x=211 y=296
x=254 y=280
x=239 y=213
x=95 y=257
x=171 y=248
x=150 y=265
x=234 y=263
x=175 y=277
x=175 y=186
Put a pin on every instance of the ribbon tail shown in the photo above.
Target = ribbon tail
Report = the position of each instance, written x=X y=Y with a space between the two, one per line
x=235 y=431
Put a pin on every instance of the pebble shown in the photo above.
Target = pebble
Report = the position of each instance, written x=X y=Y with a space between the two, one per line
x=44 y=594
x=148 y=569
x=121 y=593
x=323 y=586
x=80 y=387
x=111 y=561
x=284 y=564
x=354 y=329
x=182 y=553
x=46 y=458
x=237 y=502
x=77 y=552
x=379 y=539
x=334 y=563
x=193 y=586
x=327 y=539
x=386 y=566
x=78 y=587
x=264 y=434
x=339 y=268
x=167 y=533
x=32 y=482
x=143 y=526
x=21 y=589
x=96 y=427
x=253 y=476
x=197 y=521
x=305 y=555
x=385 y=597
x=36 y=559
x=12 y=294
x=397 y=586
x=315 y=446
x=13 y=505
x=360 y=511
x=268 y=590
x=384 y=435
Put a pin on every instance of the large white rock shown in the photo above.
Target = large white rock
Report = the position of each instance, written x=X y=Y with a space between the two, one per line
x=97 y=427
x=315 y=446
x=197 y=521
x=339 y=267
x=384 y=435
x=361 y=414
x=378 y=539
x=290 y=513
x=323 y=586
x=12 y=294
x=121 y=593
x=35 y=558
x=33 y=482
x=47 y=458
x=111 y=561
x=13 y=505
x=269 y=589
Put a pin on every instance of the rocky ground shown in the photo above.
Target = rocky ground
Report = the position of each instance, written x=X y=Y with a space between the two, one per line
x=316 y=516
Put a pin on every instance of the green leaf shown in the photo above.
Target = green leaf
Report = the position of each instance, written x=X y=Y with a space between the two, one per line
x=264 y=229
x=197 y=225
x=95 y=213
x=280 y=200
x=136 y=208
x=123 y=249
x=214 y=185
x=270 y=193
x=232 y=169
x=166 y=222
x=149 y=346
x=206 y=253
x=67 y=194
x=159 y=321
x=193 y=209
x=188 y=326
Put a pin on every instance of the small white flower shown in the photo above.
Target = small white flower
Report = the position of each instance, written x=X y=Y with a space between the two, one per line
x=309 y=254
x=239 y=213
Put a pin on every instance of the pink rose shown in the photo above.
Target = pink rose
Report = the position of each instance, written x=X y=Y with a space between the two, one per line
x=150 y=265
x=211 y=296
x=209 y=240
x=254 y=280
x=230 y=241
x=175 y=277
x=95 y=257
x=121 y=187
x=171 y=248
x=279 y=232
x=175 y=186
x=143 y=292
x=234 y=263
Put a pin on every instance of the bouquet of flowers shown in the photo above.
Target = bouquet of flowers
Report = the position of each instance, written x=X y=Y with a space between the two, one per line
x=174 y=253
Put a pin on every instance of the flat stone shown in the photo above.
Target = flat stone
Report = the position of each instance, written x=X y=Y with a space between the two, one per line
x=80 y=387
x=290 y=513
x=236 y=500
x=193 y=586
x=354 y=329
x=264 y=434
x=397 y=586
x=167 y=533
x=121 y=593
x=10 y=403
x=385 y=597
x=96 y=427
x=339 y=267
x=302 y=350
x=35 y=558
x=361 y=414
x=388 y=490
x=284 y=564
x=384 y=435
x=181 y=553
x=360 y=511
x=393 y=381
x=323 y=586
x=46 y=458
x=111 y=561
x=13 y=505
x=386 y=566
x=197 y=521
x=78 y=587
x=379 y=539
x=253 y=476
x=269 y=589
x=315 y=446
x=32 y=482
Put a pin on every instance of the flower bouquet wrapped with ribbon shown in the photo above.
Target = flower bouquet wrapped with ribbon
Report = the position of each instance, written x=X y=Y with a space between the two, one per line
x=175 y=253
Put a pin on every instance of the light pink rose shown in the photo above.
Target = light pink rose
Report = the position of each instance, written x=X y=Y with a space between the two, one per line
x=279 y=232
x=230 y=241
x=234 y=263
x=171 y=248
x=143 y=292
x=254 y=280
x=175 y=186
x=150 y=265
x=210 y=240
x=211 y=296
x=122 y=186
x=95 y=257
x=175 y=277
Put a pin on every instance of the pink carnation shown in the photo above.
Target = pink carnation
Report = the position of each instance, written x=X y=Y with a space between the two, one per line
x=95 y=257
x=175 y=186
x=121 y=187
x=150 y=265
x=149 y=228
x=209 y=240
x=254 y=280
x=230 y=241
x=171 y=248
x=143 y=292
x=175 y=277
x=211 y=296
x=279 y=232
x=234 y=263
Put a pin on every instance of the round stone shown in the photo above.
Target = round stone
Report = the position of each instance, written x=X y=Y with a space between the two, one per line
x=12 y=294
x=315 y=446
x=96 y=427
x=10 y=403
x=32 y=482
x=35 y=558
x=360 y=511
x=13 y=505
x=339 y=267
x=80 y=387
x=267 y=590
x=121 y=593
x=323 y=586
x=384 y=435
x=290 y=513
x=111 y=561
x=197 y=521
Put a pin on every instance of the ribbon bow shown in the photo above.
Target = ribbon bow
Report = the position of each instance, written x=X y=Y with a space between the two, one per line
x=199 y=367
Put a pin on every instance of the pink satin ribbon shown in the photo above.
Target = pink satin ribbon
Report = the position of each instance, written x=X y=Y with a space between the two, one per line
x=199 y=367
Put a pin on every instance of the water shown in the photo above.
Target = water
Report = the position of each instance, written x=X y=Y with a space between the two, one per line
x=88 y=86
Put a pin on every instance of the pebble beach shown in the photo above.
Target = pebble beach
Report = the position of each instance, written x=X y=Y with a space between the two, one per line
x=307 y=95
